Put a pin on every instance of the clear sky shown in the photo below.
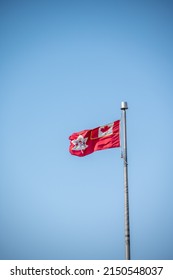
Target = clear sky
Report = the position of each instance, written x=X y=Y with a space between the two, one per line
x=66 y=66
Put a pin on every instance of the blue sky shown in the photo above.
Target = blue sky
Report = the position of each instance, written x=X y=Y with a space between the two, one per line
x=66 y=66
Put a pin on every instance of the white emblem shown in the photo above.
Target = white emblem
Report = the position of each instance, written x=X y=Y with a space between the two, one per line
x=80 y=143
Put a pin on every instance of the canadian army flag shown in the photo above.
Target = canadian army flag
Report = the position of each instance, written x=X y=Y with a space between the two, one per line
x=86 y=142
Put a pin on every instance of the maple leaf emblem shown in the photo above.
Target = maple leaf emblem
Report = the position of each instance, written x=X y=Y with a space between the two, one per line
x=105 y=130
x=80 y=143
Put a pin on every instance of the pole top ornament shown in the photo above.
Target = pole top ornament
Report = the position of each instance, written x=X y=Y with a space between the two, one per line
x=124 y=105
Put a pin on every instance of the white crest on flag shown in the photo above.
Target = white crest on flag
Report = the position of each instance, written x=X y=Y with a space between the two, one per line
x=80 y=143
x=105 y=130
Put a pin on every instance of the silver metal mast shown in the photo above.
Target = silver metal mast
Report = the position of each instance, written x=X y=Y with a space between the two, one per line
x=124 y=107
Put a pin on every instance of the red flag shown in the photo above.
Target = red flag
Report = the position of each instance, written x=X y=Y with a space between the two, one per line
x=86 y=142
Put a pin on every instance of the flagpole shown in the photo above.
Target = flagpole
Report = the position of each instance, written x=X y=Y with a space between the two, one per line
x=124 y=107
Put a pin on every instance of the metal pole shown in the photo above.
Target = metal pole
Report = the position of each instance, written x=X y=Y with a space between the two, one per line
x=124 y=107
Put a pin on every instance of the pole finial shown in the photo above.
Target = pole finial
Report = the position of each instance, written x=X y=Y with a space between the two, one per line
x=124 y=105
